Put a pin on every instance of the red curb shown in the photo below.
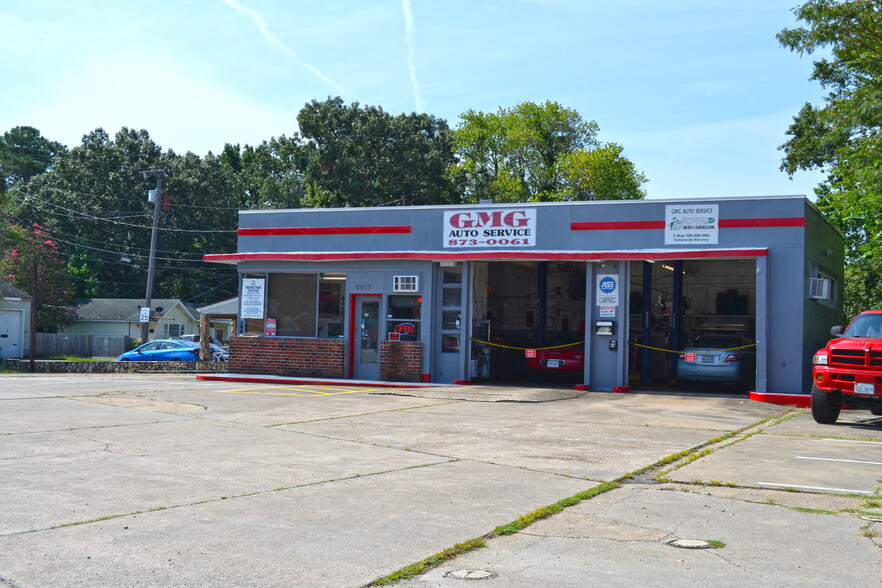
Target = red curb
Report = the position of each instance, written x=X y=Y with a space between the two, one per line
x=798 y=400
x=284 y=380
x=620 y=389
x=462 y=382
x=582 y=387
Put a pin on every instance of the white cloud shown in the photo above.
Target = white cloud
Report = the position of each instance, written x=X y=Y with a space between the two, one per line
x=409 y=30
x=270 y=38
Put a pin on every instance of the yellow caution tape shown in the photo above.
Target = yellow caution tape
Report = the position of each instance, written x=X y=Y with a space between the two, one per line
x=699 y=353
x=525 y=348
x=580 y=342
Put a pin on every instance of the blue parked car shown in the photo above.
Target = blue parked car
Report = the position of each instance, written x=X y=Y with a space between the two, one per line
x=163 y=350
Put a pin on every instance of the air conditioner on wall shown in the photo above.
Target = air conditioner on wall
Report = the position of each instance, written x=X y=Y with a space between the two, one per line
x=405 y=284
x=819 y=289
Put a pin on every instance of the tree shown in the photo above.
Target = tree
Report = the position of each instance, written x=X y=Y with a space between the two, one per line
x=30 y=254
x=93 y=203
x=540 y=153
x=365 y=157
x=842 y=136
x=270 y=175
x=24 y=153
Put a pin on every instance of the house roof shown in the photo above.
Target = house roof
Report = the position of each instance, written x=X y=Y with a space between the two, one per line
x=127 y=309
x=7 y=290
x=229 y=306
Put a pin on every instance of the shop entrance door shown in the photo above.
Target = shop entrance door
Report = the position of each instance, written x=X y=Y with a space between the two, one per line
x=365 y=338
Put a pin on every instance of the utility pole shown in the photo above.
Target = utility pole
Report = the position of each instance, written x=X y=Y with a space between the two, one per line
x=157 y=200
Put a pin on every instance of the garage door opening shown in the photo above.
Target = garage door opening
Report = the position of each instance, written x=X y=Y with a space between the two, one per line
x=705 y=341
x=522 y=306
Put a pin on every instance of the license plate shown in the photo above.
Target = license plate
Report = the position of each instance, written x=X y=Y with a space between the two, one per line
x=707 y=359
x=865 y=388
x=554 y=363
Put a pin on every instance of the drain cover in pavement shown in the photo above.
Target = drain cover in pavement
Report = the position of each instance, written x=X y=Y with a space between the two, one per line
x=470 y=574
x=689 y=544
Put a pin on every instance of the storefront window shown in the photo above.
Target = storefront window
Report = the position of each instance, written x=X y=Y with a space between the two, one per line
x=252 y=301
x=403 y=318
x=332 y=305
x=291 y=302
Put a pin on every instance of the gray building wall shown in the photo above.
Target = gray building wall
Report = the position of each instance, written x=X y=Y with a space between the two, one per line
x=789 y=326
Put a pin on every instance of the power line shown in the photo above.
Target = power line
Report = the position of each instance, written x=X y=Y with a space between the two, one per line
x=83 y=215
x=126 y=249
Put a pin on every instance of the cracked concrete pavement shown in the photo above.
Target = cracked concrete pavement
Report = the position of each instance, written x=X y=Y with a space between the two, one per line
x=162 y=480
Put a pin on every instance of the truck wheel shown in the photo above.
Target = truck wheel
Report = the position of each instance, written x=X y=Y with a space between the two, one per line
x=825 y=405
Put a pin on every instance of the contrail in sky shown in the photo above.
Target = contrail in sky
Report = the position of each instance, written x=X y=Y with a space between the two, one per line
x=408 y=24
x=270 y=38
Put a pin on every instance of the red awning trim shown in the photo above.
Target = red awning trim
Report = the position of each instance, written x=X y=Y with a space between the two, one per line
x=653 y=254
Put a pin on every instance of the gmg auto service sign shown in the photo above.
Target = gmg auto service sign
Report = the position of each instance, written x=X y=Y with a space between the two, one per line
x=510 y=227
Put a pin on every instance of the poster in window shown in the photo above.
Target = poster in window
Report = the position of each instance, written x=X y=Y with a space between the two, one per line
x=253 y=291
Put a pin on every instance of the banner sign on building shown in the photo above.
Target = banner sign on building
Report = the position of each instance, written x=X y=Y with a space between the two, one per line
x=687 y=224
x=252 y=298
x=269 y=329
x=607 y=293
x=508 y=227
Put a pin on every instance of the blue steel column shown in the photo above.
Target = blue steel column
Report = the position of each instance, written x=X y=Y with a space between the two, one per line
x=542 y=279
x=676 y=315
x=647 y=319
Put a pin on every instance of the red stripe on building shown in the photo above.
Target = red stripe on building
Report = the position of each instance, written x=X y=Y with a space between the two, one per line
x=741 y=223
x=489 y=255
x=617 y=225
x=267 y=232
x=732 y=223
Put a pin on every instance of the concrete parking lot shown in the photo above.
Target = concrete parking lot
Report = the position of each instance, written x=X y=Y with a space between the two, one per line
x=163 y=480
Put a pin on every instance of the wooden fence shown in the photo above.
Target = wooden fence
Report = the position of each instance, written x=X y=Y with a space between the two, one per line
x=61 y=344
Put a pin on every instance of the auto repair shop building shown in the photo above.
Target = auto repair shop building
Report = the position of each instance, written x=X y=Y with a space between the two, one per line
x=465 y=293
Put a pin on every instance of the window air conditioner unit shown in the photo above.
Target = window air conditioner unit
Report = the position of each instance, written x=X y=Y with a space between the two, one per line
x=405 y=284
x=819 y=289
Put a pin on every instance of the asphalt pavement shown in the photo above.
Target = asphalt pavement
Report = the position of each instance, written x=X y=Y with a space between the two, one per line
x=163 y=480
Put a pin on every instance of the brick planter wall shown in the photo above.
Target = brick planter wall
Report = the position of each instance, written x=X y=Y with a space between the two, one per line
x=401 y=361
x=284 y=356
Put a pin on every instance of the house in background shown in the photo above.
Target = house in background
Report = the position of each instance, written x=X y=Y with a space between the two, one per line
x=222 y=316
x=118 y=317
x=15 y=321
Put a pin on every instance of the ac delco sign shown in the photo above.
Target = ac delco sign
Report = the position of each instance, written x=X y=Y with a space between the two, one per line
x=498 y=227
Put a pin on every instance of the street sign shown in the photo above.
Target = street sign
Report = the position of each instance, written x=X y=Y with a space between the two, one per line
x=145 y=315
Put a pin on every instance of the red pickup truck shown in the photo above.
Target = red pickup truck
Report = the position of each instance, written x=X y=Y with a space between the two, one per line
x=850 y=368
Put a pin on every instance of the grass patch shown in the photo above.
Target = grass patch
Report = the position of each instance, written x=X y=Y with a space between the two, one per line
x=71 y=358
x=511 y=528
x=714 y=544
x=430 y=562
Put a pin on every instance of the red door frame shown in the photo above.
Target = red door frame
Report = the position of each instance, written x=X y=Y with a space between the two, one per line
x=352 y=298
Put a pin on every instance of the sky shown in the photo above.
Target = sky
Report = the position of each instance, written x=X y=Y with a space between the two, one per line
x=698 y=92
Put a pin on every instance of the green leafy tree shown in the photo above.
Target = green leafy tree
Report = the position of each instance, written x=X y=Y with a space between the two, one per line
x=93 y=202
x=270 y=175
x=540 y=153
x=363 y=156
x=24 y=153
x=842 y=135
x=28 y=254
